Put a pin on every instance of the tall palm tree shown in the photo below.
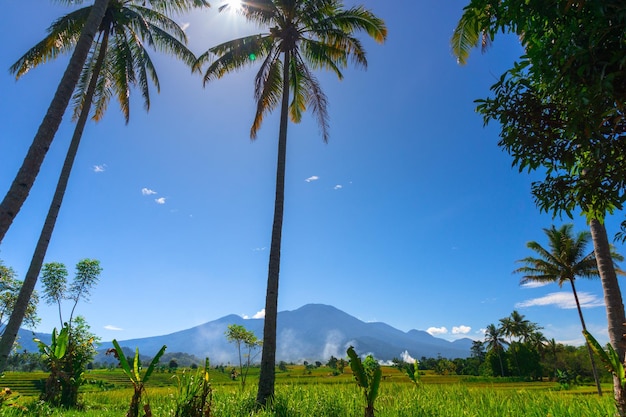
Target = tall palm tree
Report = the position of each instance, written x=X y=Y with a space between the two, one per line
x=564 y=261
x=303 y=35
x=25 y=178
x=118 y=60
x=495 y=341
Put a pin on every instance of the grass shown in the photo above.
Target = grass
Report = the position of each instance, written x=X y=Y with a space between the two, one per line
x=319 y=393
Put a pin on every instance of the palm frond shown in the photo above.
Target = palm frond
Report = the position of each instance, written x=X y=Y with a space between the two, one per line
x=469 y=31
x=171 y=7
x=268 y=92
x=236 y=54
x=62 y=37
x=315 y=97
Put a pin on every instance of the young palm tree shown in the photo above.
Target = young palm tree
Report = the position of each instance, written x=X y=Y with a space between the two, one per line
x=564 y=261
x=118 y=60
x=23 y=182
x=495 y=342
x=303 y=35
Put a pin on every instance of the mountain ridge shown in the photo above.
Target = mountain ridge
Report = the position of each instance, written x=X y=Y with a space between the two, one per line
x=310 y=333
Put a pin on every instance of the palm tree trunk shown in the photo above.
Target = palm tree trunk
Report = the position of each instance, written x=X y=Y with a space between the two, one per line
x=25 y=178
x=582 y=322
x=23 y=299
x=268 y=358
x=612 y=300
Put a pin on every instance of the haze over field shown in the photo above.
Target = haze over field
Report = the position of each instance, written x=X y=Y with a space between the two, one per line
x=410 y=215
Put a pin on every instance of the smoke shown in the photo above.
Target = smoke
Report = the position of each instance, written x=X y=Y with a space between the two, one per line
x=406 y=357
x=333 y=344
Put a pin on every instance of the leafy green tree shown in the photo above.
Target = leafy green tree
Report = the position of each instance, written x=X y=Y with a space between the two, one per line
x=75 y=347
x=117 y=60
x=561 y=110
x=25 y=178
x=332 y=362
x=247 y=340
x=303 y=35
x=563 y=261
x=9 y=289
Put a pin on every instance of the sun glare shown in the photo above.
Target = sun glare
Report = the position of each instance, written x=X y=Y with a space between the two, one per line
x=234 y=5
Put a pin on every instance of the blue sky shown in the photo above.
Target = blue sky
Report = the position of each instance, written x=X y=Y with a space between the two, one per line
x=410 y=215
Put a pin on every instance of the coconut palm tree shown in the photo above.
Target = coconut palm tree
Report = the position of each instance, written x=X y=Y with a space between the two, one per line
x=495 y=341
x=303 y=35
x=118 y=60
x=563 y=261
x=25 y=178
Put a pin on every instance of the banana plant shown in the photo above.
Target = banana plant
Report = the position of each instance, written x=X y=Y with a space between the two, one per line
x=610 y=358
x=368 y=376
x=136 y=378
x=412 y=371
x=58 y=345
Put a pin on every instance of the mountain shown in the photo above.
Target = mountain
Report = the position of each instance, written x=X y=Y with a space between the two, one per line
x=312 y=332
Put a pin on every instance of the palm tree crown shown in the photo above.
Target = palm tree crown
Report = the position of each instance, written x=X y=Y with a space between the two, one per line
x=126 y=29
x=564 y=260
x=309 y=34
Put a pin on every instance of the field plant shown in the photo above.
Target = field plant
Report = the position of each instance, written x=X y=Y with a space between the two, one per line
x=368 y=375
x=136 y=378
x=194 y=395
x=243 y=339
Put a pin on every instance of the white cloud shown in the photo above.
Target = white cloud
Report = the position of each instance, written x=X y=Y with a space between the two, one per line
x=160 y=200
x=535 y=284
x=147 y=191
x=99 y=168
x=461 y=329
x=563 y=300
x=338 y=187
x=257 y=315
x=437 y=330
x=184 y=26
x=114 y=328
x=259 y=249
x=312 y=178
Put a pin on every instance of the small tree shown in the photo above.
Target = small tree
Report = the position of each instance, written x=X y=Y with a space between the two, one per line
x=9 y=289
x=67 y=363
x=243 y=338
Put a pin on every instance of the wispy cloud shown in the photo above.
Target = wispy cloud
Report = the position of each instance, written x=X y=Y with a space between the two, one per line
x=114 y=328
x=312 y=178
x=160 y=200
x=563 y=300
x=338 y=187
x=184 y=26
x=534 y=284
x=437 y=330
x=461 y=329
x=259 y=249
x=147 y=191
x=100 y=168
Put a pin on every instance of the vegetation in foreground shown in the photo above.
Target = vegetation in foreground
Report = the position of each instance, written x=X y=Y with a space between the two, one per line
x=395 y=399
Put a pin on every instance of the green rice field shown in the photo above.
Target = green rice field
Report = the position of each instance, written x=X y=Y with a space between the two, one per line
x=320 y=393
